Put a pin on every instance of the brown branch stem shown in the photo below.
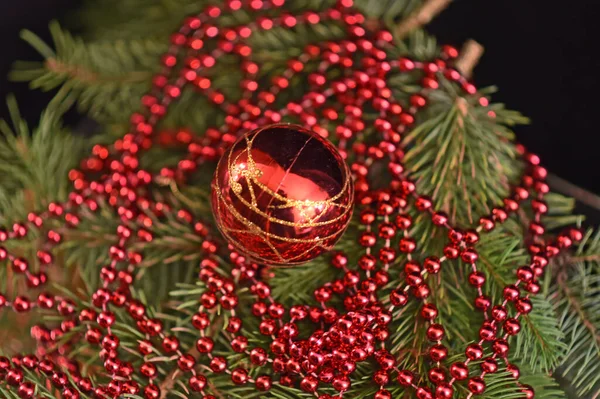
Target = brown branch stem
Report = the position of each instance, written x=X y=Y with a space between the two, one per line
x=420 y=17
x=468 y=58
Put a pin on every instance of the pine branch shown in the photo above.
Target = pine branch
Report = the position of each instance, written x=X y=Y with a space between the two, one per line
x=540 y=343
x=106 y=78
x=575 y=299
x=460 y=157
x=34 y=164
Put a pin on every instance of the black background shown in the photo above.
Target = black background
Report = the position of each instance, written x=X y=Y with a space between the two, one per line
x=543 y=56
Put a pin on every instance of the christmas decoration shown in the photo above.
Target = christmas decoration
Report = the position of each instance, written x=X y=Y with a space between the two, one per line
x=422 y=299
x=282 y=195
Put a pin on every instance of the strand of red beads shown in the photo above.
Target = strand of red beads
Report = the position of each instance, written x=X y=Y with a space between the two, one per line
x=330 y=354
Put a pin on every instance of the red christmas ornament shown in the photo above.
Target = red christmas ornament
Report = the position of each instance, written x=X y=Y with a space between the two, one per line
x=282 y=195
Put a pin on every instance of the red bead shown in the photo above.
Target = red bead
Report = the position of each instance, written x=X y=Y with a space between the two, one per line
x=523 y=305
x=309 y=384
x=4 y=364
x=186 y=362
x=382 y=394
x=170 y=344
x=14 y=377
x=405 y=377
x=476 y=385
x=204 y=345
x=435 y=332
x=258 y=356
x=575 y=235
x=367 y=262
x=239 y=344
x=423 y=204
x=21 y=304
x=85 y=385
x=525 y=274
x=46 y=366
x=239 y=376
x=444 y=391
x=29 y=361
x=477 y=279
x=459 y=371
x=263 y=383
x=539 y=206
x=367 y=239
x=528 y=391
x=130 y=387
x=430 y=83
x=438 y=352
x=105 y=318
x=412 y=267
x=386 y=361
x=407 y=245
x=452 y=74
x=403 y=222
x=455 y=235
x=26 y=390
x=436 y=375
x=512 y=326
x=499 y=313
x=341 y=383
x=489 y=365
x=381 y=377
x=451 y=252
x=469 y=256
x=482 y=302
x=151 y=392
x=148 y=369
x=145 y=347
x=514 y=370
x=487 y=332
x=563 y=241
x=499 y=215
x=511 y=293
x=474 y=352
x=46 y=301
x=439 y=218
x=414 y=279
x=422 y=291
x=110 y=342
x=218 y=364
x=20 y=265
x=500 y=347
x=424 y=393
x=432 y=265
x=59 y=379
x=70 y=393
x=418 y=100
x=406 y=64
x=429 y=311
x=487 y=224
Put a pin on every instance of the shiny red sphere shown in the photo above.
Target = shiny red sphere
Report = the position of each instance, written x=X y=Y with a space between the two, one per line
x=282 y=195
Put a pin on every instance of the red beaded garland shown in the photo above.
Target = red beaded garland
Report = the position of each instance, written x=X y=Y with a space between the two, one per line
x=332 y=354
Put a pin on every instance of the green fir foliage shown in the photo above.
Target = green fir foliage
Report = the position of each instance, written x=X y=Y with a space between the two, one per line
x=457 y=153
